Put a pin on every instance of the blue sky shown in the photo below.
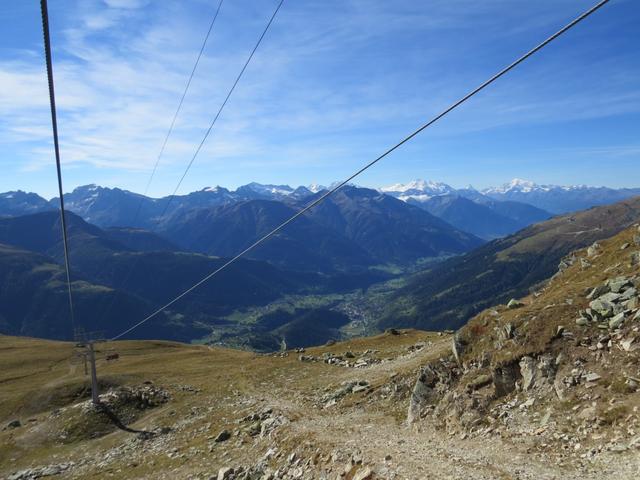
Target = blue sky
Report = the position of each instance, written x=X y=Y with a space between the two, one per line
x=333 y=85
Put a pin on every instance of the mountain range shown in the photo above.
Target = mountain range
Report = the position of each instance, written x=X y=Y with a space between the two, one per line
x=136 y=270
x=354 y=228
x=555 y=199
x=344 y=244
x=449 y=293
x=115 y=284
x=488 y=214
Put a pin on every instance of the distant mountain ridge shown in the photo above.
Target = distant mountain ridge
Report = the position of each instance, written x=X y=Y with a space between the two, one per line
x=21 y=203
x=450 y=293
x=354 y=228
x=556 y=199
x=559 y=199
x=109 y=294
x=488 y=214
x=418 y=190
x=468 y=209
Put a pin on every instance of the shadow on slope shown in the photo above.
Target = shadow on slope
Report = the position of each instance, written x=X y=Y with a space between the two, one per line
x=452 y=292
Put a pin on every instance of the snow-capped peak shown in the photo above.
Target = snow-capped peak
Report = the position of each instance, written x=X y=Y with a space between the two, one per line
x=315 y=188
x=421 y=186
x=262 y=189
x=92 y=187
x=516 y=185
x=418 y=190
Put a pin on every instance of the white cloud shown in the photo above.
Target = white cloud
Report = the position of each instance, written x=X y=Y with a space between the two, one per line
x=328 y=82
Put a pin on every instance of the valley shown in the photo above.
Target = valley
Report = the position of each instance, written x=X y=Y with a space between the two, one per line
x=544 y=387
x=455 y=296
x=365 y=258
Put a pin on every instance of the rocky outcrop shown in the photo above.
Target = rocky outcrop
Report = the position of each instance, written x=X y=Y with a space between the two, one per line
x=505 y=378
x=432 y=383
x=517 y=365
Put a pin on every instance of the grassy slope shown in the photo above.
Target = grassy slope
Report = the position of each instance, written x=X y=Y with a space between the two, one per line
x=556 y=304
x=448 y=295
x=37 y=377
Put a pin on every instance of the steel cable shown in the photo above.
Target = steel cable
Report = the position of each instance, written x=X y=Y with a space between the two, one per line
x=370 y=164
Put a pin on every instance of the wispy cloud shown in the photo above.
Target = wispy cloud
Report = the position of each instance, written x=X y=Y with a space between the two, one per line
x=333 y=79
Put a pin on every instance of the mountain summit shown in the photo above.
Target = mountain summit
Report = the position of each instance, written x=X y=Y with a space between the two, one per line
x=531 y=202
x=558 y=198
x=518 y=185
x=420 y=190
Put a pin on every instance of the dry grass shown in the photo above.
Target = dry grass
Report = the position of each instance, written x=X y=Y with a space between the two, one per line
x=537 y=323
x=38 y=377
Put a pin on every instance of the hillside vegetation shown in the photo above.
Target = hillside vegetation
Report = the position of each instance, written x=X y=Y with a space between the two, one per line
x=116 y=285
x=559 y=369
x=452 y=292
x=539 y=389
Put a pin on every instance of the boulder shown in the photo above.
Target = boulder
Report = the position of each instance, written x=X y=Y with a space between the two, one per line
x=592 y=377
x=505 y=378
x=457 y=348
x=628 y=294
x=611 y=297
x=593 y=250
x=560 y=388
x=596 y=292
x=591 y=315
x=588 y=413
x=13 y=424
x=424 y=393
x=632 y=303
x=479 y=382
x=619 y=284
x=225 y=473
x=528 y=373
x=363 y=474
x=507 y=331
x=563 y=265
x=223 y=436
x=513 y=303
x=547 y=367
x=628 y=344
x=603 y=308
x=616 y=321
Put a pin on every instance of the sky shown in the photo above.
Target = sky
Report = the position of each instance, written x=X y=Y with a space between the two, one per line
x=333 y=85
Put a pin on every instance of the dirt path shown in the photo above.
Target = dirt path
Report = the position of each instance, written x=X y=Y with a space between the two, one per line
x=216 y=390
x=396 y=450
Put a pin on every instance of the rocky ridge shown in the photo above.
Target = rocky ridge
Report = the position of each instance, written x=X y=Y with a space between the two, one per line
x=558 y=370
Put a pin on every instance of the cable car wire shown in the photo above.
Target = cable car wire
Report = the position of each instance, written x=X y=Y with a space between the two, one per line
x=203 y=140
x=371 y=163
x=56 y=146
